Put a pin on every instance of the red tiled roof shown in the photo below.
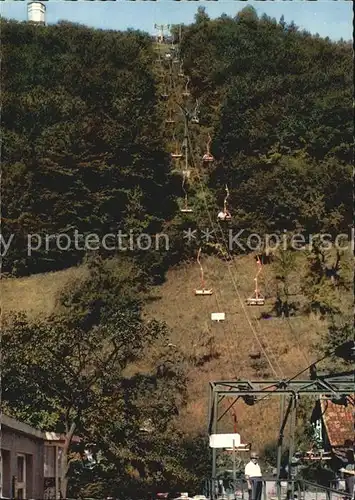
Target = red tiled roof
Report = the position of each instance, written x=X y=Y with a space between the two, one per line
x=339 y=422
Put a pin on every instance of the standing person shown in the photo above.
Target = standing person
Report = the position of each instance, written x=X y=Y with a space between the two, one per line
x=253 y=476
x=349 y=473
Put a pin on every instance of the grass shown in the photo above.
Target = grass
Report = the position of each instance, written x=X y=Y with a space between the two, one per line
x=285 y=344
x=36 y=295
x=213 y=351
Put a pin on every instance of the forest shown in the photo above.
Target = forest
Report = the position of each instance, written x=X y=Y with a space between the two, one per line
x=85 y=148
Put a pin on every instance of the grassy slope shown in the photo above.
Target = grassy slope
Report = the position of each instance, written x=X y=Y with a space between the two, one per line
x=214 y=351
x=287 y=343
x=36 y=295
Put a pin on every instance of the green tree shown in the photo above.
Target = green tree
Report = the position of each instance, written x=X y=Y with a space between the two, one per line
x=201 y=15
x=56 y=373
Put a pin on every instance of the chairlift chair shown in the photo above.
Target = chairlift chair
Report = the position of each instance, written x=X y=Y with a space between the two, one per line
x=185 y=209
x=202 y=290
x=176 y=156
x=170 y=120
x=207 y=157
x=195 y=118
x=225 y=214
x=186 y=93
x=256 y=301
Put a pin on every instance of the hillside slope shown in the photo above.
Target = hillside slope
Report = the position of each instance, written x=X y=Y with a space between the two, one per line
x=212 y=350
x=222 y=350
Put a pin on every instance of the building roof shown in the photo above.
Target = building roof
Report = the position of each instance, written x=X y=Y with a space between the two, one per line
x=339 y=423
x=22 y=428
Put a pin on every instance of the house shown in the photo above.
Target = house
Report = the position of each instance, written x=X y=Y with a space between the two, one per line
x=334 y=423
x=22 y=459
x=29 y=461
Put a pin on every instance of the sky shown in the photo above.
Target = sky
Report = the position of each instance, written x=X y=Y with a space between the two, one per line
x=332 y=18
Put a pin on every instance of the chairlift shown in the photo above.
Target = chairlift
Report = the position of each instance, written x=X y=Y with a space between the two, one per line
x=185 y=209
x=186 y=93
x=176 y=156
x=202 y=290
x=207 y=157
x=170 y=119
x=181 y=71
x=195 y=118
x=256 y=299
x=178 y=153
x=225 y=214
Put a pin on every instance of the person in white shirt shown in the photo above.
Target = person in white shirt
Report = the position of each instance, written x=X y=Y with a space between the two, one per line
x=253 y=476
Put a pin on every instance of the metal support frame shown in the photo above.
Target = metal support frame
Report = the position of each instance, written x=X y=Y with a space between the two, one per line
x=326 y=385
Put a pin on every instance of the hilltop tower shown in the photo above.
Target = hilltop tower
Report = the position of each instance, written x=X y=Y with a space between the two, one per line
x=36 y=12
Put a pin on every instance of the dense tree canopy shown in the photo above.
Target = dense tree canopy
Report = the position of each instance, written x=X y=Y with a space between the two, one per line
x=83 y=144
x=82 y=147
x=77 y=374
x=280 y=101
